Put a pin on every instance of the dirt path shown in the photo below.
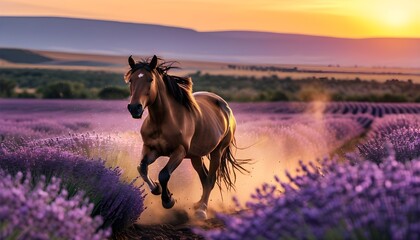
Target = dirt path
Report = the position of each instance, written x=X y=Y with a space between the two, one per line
x=166 y=231
x=157 y=232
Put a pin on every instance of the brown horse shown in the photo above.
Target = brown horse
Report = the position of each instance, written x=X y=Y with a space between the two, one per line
x=181 y=125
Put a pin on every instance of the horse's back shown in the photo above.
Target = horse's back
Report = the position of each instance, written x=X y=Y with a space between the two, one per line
x=208 y=99
x=215 y=121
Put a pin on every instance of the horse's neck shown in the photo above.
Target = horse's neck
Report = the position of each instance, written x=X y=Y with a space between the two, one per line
x=163 y=110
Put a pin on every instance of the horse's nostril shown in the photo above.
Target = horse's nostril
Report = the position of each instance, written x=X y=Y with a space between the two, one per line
x=139 y=106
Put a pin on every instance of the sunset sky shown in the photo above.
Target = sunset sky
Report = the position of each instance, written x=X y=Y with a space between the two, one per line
x=341 y=18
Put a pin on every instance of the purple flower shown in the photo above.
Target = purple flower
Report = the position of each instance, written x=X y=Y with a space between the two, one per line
x=43 y=211
x=341 y=200
x=402 y=133
x=119 y=204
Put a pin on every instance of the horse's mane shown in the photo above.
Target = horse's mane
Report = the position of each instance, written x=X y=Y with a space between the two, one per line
x=179 y=87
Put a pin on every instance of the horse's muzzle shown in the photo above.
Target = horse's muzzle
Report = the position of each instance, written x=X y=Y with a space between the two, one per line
x=136 y=110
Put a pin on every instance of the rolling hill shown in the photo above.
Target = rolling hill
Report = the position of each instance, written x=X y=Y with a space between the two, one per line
x=22 y=56
x=120 y=38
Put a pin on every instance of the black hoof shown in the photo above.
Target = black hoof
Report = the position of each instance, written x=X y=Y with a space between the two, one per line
x=168 y=204
x=157 y=190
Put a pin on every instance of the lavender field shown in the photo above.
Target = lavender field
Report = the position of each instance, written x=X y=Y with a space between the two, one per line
x=320 y=171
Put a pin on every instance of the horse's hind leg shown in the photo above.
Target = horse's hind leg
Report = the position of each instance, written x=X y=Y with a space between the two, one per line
x=215 y=158
x=202 y=171
x=164 y=175
x=148 y=157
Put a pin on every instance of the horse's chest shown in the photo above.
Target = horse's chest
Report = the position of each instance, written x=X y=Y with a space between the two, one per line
x=163 y=143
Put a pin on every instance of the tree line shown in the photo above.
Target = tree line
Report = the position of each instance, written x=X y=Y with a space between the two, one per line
x=72 y=84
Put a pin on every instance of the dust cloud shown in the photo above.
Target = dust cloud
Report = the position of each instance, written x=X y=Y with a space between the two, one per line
x=274 y=142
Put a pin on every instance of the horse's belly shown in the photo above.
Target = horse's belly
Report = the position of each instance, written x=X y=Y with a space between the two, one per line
x=199 y=150
x=205 y=141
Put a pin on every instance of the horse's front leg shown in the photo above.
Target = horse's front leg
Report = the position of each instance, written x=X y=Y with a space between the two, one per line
x=148 y=157
x=174 y=160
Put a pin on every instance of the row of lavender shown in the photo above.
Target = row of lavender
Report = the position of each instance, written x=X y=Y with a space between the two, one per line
x=374 y=194
x=374 y=109
x=87 y=194
x=51 y=118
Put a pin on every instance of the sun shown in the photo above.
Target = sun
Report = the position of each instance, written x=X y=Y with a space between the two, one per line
x=392 y=13
x=391 y=18
x=395 y=16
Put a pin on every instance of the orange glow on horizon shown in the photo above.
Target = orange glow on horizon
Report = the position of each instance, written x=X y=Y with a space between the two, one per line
x=340 y=18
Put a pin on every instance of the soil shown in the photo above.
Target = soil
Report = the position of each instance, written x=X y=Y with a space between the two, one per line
x=157 y=232
x=177 y=230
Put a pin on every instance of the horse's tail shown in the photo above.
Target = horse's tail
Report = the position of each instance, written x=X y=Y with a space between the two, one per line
x=228 y=167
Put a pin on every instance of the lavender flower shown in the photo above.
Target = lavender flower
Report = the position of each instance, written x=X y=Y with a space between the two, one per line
x=14 y=129
x=342 y=201
x=119 y=204
x=44 y=211
x=402 y=132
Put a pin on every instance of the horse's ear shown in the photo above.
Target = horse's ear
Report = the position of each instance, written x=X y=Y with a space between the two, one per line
x=153 y=63
x=131 y=61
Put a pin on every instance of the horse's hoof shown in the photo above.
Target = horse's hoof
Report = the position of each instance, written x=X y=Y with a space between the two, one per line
x=200 y=214
x=157 y=190
x=168 y=204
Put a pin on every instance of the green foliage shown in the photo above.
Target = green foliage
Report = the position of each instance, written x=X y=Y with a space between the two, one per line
x=273 y=96
x=35 y=78
x=387 y=97
x=65 y=90
x=7 y=88
x=108 y=85
x=273 y=88
x=113 y=93
x=277 y=96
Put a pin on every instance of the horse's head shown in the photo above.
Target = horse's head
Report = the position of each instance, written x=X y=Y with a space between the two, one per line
x=143 y=88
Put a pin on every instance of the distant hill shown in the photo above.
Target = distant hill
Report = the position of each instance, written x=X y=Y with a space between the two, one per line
x=22 y=56
x=119 y=38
